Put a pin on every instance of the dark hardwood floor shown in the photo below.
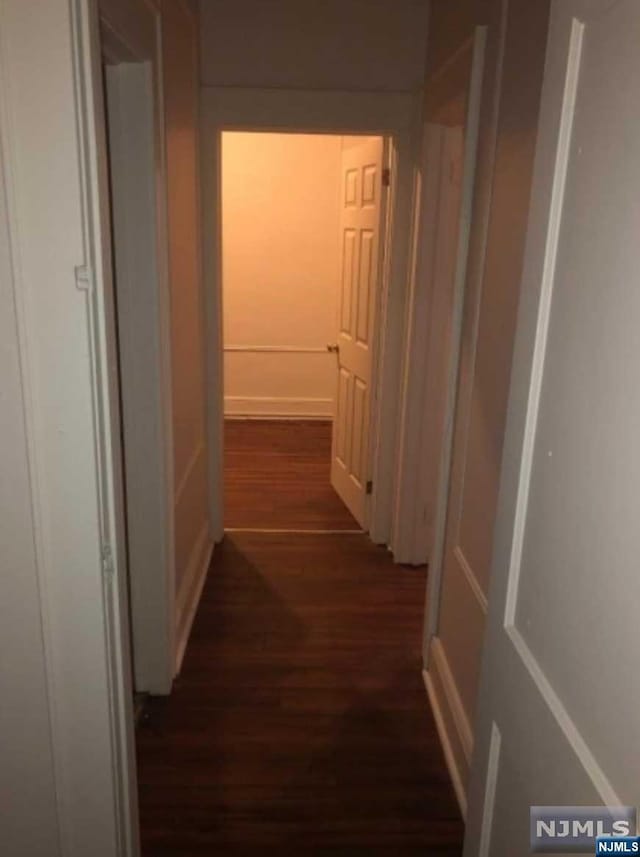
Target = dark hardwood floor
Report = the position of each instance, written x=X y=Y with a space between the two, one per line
x=299 y=724
x=277 y=477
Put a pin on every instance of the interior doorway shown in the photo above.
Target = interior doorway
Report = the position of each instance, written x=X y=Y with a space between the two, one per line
x=302 y=241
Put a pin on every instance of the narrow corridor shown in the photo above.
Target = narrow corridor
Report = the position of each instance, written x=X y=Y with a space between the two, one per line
x=299 y=723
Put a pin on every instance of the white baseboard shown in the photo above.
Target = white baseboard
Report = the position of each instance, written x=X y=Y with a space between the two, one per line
x=452 y=723
x=190 y=592
x=278 y=408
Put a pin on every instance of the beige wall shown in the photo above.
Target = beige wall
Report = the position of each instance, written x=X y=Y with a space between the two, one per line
x=192 y=540
x=29 y=824
x=323 y=44
x=280 y=271
x=502 y=191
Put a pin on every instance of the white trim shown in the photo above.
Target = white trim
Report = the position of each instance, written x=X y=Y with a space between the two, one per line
x=478 y=211
x=277 y=349
x=490 y=786
x=565 y=722
x=379 y=429
x=450 y=756
x=472 y=580
x=101 y=318
x=391 y=332
x=134 y=91
x=544 y=313
x=271 y=407
x=409 y=506
x=409 y=538
x=454 y=702
x=198 y=451
x=190 y=591
x=392 y=114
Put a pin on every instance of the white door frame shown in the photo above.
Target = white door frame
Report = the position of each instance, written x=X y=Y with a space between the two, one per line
x=53 y=150
x=130 y=38
x=389 y=114
x=477 y=209
x=410 y=525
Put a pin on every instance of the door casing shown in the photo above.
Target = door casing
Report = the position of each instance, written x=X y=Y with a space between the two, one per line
x=131 y=46
x=391 y=115
x=417 y=513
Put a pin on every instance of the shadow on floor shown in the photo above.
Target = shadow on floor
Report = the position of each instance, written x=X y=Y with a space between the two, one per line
x=299 y=723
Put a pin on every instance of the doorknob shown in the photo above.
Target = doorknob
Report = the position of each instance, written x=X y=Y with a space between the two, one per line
x=333 y=348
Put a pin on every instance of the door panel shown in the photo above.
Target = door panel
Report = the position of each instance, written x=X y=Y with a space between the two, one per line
x=567 y=541
x=515 y=64
x=348 y=263
x=360 y=240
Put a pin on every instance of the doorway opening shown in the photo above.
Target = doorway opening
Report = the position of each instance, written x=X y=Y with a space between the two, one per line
x=302 y=241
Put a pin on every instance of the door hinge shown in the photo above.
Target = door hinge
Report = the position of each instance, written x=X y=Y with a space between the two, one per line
x=369 y=488
x=108 y=566
x=386 y=177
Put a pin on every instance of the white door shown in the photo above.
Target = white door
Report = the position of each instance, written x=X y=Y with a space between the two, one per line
x=360 y=215
x=560 y=689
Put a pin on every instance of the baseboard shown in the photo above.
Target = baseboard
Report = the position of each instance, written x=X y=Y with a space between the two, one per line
x=452 y=723
x=278 y=408
x=190 y=592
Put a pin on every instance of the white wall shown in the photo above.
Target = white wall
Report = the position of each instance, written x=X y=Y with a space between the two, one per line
x=26 y=772
x=61 y=554
x=317 y=44
x=280 y=257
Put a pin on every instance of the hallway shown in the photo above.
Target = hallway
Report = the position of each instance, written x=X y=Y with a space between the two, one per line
x=395 y=245
x=299 y=722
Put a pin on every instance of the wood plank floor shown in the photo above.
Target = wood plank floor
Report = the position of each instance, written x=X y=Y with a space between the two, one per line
x=299 y=724
x=276 y=475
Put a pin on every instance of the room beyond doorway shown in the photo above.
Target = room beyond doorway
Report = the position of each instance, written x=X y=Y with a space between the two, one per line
x=302 y=240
